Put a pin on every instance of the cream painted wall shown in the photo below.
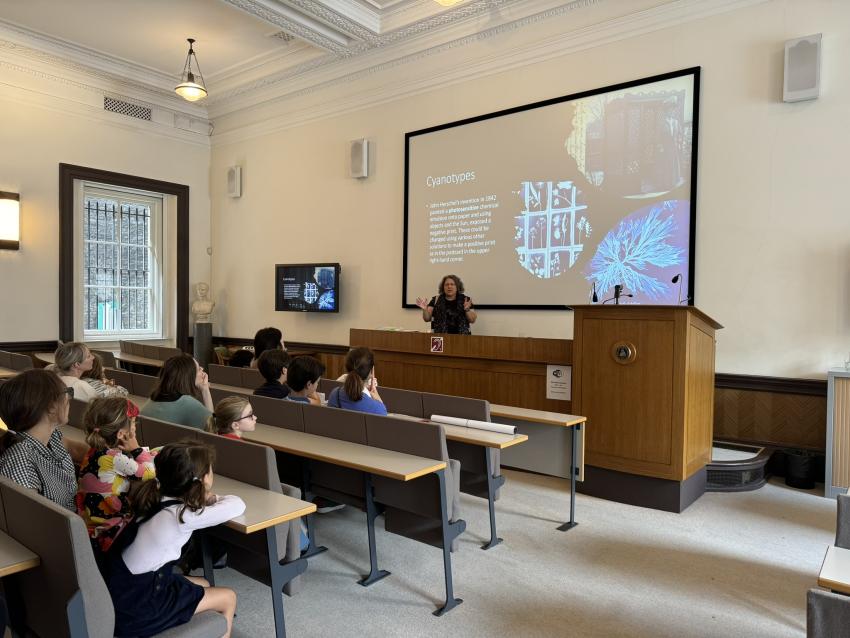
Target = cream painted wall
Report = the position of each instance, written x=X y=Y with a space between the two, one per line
x=35 y=139
x=773 y=233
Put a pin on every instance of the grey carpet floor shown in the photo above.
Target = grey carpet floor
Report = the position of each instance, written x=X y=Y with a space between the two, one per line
x=730 y=565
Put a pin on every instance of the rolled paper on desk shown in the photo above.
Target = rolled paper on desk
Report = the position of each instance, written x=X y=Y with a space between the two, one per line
x=472 y=423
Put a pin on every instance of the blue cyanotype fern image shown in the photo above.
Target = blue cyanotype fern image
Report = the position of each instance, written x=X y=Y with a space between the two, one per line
x=628 y=254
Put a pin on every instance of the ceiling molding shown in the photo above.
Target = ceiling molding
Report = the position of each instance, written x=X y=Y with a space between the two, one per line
x=427 y=37
x=634 y=25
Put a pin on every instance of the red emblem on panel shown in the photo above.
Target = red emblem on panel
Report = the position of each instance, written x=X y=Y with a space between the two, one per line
x=436 y=344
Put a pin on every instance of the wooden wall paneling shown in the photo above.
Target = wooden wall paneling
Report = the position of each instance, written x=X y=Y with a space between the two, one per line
x=769 y=418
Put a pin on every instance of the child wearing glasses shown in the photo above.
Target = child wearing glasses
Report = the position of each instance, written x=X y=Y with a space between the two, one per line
x=233 y=416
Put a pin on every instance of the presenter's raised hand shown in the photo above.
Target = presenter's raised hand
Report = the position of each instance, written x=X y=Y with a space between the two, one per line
x=467 y=304
x=422 y=302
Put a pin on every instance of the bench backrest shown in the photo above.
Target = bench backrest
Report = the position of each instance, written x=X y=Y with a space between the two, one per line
x=462 y=407
x=147 y=350
x=241 y=377
x=76 y=409
x=344 y=425
x=403 y=401
x=59 y=537
x=107 y=358
x=14 y=361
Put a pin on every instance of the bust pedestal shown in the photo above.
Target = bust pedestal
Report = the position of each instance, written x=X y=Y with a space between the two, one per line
x=203 y=343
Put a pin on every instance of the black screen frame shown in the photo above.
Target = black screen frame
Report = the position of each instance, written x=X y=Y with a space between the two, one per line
x=337 y=287
x=695 y=71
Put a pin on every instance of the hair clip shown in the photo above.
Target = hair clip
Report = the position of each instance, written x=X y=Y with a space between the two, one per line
x=96 y=430
x=132 y=409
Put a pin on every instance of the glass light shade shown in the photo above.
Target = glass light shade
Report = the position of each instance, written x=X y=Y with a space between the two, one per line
x=191 y=91
x=447 y=3
x=10 y=221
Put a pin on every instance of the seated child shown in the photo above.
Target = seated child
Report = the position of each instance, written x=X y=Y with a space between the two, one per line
x=114 y=462
x=98 y=381
x=273 y=365
x=303 y=379
x=148 y=595
x=232 y=416
x=241 y=359
x=360 y=391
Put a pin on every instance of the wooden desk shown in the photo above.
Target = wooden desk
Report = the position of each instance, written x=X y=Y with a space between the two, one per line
x=835 y=570
x=484 y=440
x=394 y=465
x=50 y=358
x=14 y=557
x=576 y=424
x=371 y=461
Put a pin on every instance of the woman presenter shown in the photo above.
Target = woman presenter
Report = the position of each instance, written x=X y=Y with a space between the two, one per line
x=450 y=311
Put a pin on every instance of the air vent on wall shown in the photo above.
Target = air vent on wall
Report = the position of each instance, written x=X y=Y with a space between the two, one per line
x=126 y=108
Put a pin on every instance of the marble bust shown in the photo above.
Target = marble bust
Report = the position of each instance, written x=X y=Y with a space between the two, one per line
x=203 y=306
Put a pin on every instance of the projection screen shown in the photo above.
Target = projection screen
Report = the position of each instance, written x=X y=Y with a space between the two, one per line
x=533 y=205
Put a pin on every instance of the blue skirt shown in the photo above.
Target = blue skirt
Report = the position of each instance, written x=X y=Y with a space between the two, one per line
x=148 y=604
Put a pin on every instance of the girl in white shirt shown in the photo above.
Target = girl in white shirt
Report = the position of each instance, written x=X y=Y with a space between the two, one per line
x=148 y=596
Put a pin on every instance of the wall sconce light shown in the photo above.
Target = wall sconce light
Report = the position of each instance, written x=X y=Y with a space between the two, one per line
x=191 y=87
x=10 y=221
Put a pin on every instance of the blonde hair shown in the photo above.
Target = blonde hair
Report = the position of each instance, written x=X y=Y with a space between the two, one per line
x=104 y=418
x=68 y=354
x=228 y=410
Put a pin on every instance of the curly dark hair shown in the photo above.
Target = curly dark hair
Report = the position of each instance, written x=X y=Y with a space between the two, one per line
x=458 y=284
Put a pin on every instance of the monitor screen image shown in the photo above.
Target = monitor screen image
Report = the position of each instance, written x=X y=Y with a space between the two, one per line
x=307 y=287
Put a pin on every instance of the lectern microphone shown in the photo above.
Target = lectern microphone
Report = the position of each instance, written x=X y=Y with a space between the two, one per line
x=678 y=279
x=594 y=298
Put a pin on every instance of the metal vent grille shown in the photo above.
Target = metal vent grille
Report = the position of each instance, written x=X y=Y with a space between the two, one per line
x=126 y=108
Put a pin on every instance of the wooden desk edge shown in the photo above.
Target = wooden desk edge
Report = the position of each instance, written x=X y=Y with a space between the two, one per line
x=472 y=440
x=569 y=421
x=439 y=465
x=833 y=585
x=283 y=518
x=22 y=566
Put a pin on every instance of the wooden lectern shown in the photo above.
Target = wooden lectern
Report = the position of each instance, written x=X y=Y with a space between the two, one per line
x=644 y=378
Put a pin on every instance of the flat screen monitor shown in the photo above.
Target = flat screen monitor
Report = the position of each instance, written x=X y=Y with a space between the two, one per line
x=535 y=206
x=307 y=287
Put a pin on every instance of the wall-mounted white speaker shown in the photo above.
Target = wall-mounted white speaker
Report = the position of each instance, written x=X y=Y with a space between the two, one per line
x=802 y=69
x=234 y=181
x=359 y=158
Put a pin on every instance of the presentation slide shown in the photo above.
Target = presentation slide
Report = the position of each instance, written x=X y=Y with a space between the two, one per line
x=533 y=206
x=307 y=288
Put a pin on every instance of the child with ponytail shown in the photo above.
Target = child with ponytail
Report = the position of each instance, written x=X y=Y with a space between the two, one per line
x=114 y=462
x=360 y=391
x=149 y=597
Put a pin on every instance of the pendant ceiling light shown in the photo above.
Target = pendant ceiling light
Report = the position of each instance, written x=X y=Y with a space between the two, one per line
x=447 y=3
x=191 y=87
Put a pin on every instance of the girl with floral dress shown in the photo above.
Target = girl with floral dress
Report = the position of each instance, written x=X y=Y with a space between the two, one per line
x=114 y=462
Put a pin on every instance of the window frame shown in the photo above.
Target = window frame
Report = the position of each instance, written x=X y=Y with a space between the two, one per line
x=159 y=261
x=69 y=176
